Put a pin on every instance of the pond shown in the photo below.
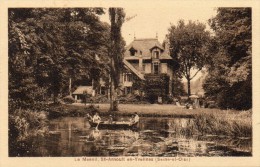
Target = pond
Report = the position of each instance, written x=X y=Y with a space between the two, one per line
x=73 y=136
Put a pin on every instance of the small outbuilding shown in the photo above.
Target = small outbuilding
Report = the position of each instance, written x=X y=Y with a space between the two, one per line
x=81 y=91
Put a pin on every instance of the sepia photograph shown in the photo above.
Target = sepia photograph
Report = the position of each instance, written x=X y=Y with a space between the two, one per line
x=130 y=83
x=76 y=88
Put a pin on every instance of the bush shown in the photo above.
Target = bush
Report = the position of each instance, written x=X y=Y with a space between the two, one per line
x=27 y=123
x=87 y=98
x=211 y=104
x=152 y=98
x=228 y=125
x=92 y=109
x=99 y=99
x=155 y=86
x=168 y=100
x=69 y=99
x=131 y=99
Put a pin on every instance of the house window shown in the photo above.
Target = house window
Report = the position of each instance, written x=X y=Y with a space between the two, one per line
x=143 y=67
x=132 y=52
x=156 y=68
x=156 y=54
x=128 y=90
x=128 y=77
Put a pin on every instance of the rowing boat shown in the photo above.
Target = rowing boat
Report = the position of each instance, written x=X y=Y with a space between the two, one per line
x=113 y=125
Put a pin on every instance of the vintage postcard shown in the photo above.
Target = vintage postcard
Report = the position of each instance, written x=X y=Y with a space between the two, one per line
x=129 y=83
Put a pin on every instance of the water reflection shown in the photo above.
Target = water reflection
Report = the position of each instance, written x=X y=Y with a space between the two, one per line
x=156 y=137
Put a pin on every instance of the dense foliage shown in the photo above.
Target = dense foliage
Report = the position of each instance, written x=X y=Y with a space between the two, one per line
x=69 y=99
x=188 y=47
x=178 y=87
x=156 y=86
x=229 y=80
x=48 y=46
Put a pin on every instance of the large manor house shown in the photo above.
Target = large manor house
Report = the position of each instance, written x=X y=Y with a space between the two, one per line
x=142 y=57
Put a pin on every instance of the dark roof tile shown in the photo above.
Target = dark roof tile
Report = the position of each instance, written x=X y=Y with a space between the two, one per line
x=143 y=47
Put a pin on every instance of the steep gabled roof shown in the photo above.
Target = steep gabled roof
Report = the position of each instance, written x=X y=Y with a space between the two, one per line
x=136 y=72
x=155 y=46
x=143 y=47
x=165 y=56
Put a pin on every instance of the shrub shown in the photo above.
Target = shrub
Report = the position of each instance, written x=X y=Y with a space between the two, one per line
x=155 y=86
x=228 y=124
x=99 y=99
x=152 y=97
x=92 y=109
x=131 y=99
x=27 y=123
x=168 y=100
x=211 y=104
x=69 y=99
x=86 y=98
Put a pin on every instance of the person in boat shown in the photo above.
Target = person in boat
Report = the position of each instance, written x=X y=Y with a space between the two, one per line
x=110 y=120
x=135 y=119
x=96 y=118
x=89 y=117
x=132 y=120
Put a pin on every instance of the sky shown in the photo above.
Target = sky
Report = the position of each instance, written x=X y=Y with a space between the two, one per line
x=148 y=21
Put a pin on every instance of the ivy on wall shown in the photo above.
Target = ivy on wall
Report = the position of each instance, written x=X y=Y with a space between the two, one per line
x=155 y=86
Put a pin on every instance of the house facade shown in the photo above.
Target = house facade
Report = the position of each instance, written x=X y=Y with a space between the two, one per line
x=143 y=57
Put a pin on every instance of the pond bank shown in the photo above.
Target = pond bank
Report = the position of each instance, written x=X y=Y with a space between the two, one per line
x=26 y=124
x=145 y=110
x=156 y=137
x=205 y=121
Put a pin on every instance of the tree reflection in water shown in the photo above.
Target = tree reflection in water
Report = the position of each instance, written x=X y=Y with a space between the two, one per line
x=72 y=136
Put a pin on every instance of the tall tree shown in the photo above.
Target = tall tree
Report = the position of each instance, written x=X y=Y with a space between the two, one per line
x=117 y=16
x=188 y=43
x=229 y=79
x=44 y=44
x=86 y=40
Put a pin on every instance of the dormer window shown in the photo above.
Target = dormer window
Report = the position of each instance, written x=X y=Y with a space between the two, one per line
x=156 y=54
x=132 y=51
x=156 y=51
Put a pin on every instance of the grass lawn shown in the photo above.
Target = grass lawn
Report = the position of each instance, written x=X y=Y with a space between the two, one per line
x=156 y=110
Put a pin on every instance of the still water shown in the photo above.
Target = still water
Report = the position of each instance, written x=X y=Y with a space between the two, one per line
x=73 y=136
